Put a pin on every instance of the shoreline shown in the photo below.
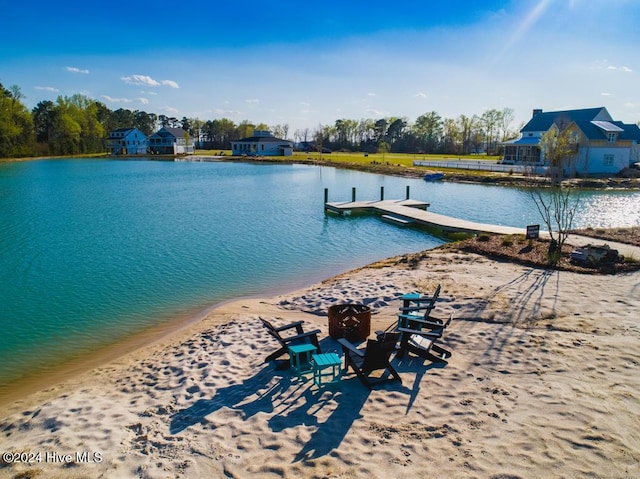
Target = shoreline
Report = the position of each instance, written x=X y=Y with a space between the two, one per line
x=166 y=332
x=536 y=355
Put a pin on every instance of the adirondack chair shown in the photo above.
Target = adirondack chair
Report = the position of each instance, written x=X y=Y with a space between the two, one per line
x=410 y=316
x=422 y=342
x=374 y=358
x=300 y=337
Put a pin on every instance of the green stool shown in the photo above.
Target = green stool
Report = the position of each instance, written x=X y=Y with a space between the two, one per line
x=299 y=355
x=326 y=366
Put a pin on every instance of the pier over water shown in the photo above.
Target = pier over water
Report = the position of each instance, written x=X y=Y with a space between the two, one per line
x=413 y=212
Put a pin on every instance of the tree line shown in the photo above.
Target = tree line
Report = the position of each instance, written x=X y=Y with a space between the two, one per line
x=79 y=125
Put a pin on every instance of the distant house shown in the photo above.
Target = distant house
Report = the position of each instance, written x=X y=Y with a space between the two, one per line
x=126 y=141
x=262 y=143
x=602 y=145
x=171 y=141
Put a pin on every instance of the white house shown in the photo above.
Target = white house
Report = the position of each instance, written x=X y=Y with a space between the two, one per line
x=262 y=143
x=171 y=141
x=602 y=145
x=126 y=141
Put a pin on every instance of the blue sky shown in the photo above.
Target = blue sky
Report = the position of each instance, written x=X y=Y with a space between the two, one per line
x=307 y=64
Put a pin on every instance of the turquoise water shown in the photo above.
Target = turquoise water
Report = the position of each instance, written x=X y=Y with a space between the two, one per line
x=92 y=251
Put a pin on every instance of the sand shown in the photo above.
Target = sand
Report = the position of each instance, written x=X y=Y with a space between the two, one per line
x=543 y=382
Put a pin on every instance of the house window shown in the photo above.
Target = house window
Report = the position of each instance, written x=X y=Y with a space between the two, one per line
x=611 y=137
x=608 y=160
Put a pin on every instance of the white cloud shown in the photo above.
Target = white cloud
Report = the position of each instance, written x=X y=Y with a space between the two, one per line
x=77 y=70
x=605 y=94
x=144 y=101
x=46 y=88
x=169 y=109
x=116 y=100
x=147 y=80
x=421 y=95
x=252 y=101
x=622 y=68
x=371 y=94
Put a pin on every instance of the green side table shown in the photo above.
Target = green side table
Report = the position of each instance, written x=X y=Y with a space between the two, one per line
x=326 y=369
x=299 y=356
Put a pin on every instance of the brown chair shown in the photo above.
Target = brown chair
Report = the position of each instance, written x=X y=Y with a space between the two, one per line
x=374 y=358
x=300 y=337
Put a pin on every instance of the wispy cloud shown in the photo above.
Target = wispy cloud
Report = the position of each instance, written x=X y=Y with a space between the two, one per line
x=147 y=80
x=116 y=100
x=252 y=101
x=77 y=70
x=170 y=109
x=421 y=95
x=46 y=88
x=605 y=93
x=144 y=101
x=623 y=68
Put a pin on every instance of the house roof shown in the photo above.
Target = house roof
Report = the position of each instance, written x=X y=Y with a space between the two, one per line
x=262 y=139
x=528 y=140
x=631 y=131
x=165 y=132
x=543 y=120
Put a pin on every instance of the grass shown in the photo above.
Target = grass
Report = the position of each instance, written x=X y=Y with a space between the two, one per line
x=384 y=163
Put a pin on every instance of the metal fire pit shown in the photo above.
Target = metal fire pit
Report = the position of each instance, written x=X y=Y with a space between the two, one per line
x=350 y=321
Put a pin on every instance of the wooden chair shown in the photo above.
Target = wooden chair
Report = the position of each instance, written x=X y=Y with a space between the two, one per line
x=300 y=337
x=422 y=342
x=374 y=358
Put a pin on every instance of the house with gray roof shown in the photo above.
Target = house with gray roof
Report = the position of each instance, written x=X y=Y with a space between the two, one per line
x=262 y=143
x=602 y=145
x=126 y=141
x=171 y=141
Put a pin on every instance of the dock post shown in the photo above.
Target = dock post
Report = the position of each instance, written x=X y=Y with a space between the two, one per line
x=353 y=194
x=408 y=191
x=382 y=193
x=326 y=195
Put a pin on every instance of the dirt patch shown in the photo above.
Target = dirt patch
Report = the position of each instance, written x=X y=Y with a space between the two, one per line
x=535 y=253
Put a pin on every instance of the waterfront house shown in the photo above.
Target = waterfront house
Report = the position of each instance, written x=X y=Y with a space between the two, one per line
x=171 y=141
x=602 y=145
x=126 y=141
x=262 y=143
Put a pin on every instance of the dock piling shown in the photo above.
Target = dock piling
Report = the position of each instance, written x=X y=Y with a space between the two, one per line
x=382 y=193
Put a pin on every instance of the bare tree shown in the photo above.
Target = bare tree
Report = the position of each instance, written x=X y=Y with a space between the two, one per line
x=558 y=202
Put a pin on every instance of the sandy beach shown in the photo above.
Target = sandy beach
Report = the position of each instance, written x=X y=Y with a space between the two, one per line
x=543 y=382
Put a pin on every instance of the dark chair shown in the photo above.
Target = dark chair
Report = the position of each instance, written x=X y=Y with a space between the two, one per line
x=422 y=342
x=374 y=358
x=300 y=337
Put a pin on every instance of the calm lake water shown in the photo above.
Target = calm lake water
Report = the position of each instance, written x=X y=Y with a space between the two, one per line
x=92 y=251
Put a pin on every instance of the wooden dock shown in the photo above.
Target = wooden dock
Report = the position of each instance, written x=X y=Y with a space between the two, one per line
x=405 y=212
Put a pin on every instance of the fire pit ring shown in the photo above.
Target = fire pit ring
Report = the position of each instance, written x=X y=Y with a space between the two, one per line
x=349 y=321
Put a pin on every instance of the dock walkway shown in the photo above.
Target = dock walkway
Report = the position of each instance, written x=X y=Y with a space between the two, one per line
x=409 y=211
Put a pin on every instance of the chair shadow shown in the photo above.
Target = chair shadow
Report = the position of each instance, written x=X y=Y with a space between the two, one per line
x=292 y=402
x=234 y=396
